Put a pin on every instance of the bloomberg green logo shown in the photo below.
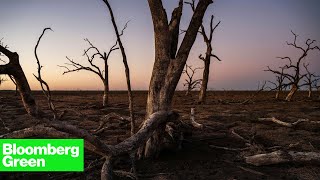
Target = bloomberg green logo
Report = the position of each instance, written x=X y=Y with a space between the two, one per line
x=41 y=155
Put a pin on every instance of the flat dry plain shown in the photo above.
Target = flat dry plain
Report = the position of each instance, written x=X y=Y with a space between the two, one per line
x=223 y=114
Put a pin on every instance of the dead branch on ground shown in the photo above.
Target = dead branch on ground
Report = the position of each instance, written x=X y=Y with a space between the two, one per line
x=192 y=120
x=105 y=119
x=280 y=156
x=286 y=124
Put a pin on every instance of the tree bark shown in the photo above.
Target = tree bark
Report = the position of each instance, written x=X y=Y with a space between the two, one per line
x=13 y=68
x=168 y=65
x=205 y=80
x=106 y=86
x=293 y=90
x=310 y=91
x=125 y=63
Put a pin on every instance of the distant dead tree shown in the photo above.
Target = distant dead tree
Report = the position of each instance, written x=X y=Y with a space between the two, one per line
x=310 y=80
x=296 y=76
x=14 y=70
x=280 y=82
x=209 y=54
x=125 y=63
x=190 y=83
x=73 y=66
x=169 y=63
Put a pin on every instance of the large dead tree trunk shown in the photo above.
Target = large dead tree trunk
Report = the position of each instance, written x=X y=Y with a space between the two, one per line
x=13 y=68
x=293 y=90
x=169 y=62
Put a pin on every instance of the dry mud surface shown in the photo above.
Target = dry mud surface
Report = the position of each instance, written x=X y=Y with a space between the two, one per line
x=196 y=160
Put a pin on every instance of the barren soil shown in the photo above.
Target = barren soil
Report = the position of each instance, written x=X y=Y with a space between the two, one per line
x=196 y=159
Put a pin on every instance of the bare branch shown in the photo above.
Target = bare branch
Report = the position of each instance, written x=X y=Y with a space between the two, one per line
x=44 y=85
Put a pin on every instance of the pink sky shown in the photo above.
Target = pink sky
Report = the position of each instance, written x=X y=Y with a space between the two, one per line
x=252 y=33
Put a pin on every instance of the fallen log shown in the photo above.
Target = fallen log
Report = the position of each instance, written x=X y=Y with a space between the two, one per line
x=286 y=124
x=280 y=156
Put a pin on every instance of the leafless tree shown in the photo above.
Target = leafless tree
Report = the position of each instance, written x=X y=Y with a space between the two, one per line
x=310 y=80
x=44 y=85
x=190 y=83
x=295 y=66
x=280 y=82
x=125 y=63
x=209 y=54
x=73 y=66
x=13 y=69
x=169 y=62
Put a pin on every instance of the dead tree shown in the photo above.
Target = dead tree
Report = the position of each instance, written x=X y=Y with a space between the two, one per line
x=280 y=82
x=13 y=69
x=169 y=62
x=209 y=54
x=296 y=75
x=190 y=83
x=44 y=85
x=125 y=63
x=310 y=80
x=73 y=66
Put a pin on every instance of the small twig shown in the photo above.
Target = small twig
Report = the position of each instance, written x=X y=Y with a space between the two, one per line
x=4 y=125
x=251 y=171
x=229 y=149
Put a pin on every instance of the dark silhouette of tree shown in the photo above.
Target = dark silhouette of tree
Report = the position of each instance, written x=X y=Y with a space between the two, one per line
x=279 y=83
x=73 y=66
x=190 y=83
x=311 y=80
x=125 y=63
x=44 y=85
x=209 y=54
x=14 y=70
x=169 y=62
x=295 y=66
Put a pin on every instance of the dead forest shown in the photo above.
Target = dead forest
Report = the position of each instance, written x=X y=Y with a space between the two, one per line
x=269 y=133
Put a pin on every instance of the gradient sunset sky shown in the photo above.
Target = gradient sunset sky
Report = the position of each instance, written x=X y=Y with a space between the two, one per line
x=251 y=35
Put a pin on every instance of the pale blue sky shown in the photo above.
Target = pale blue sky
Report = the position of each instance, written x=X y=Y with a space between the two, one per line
x=252 y=33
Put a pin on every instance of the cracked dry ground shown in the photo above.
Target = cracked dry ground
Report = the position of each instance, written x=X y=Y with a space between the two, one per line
x=196 y=159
